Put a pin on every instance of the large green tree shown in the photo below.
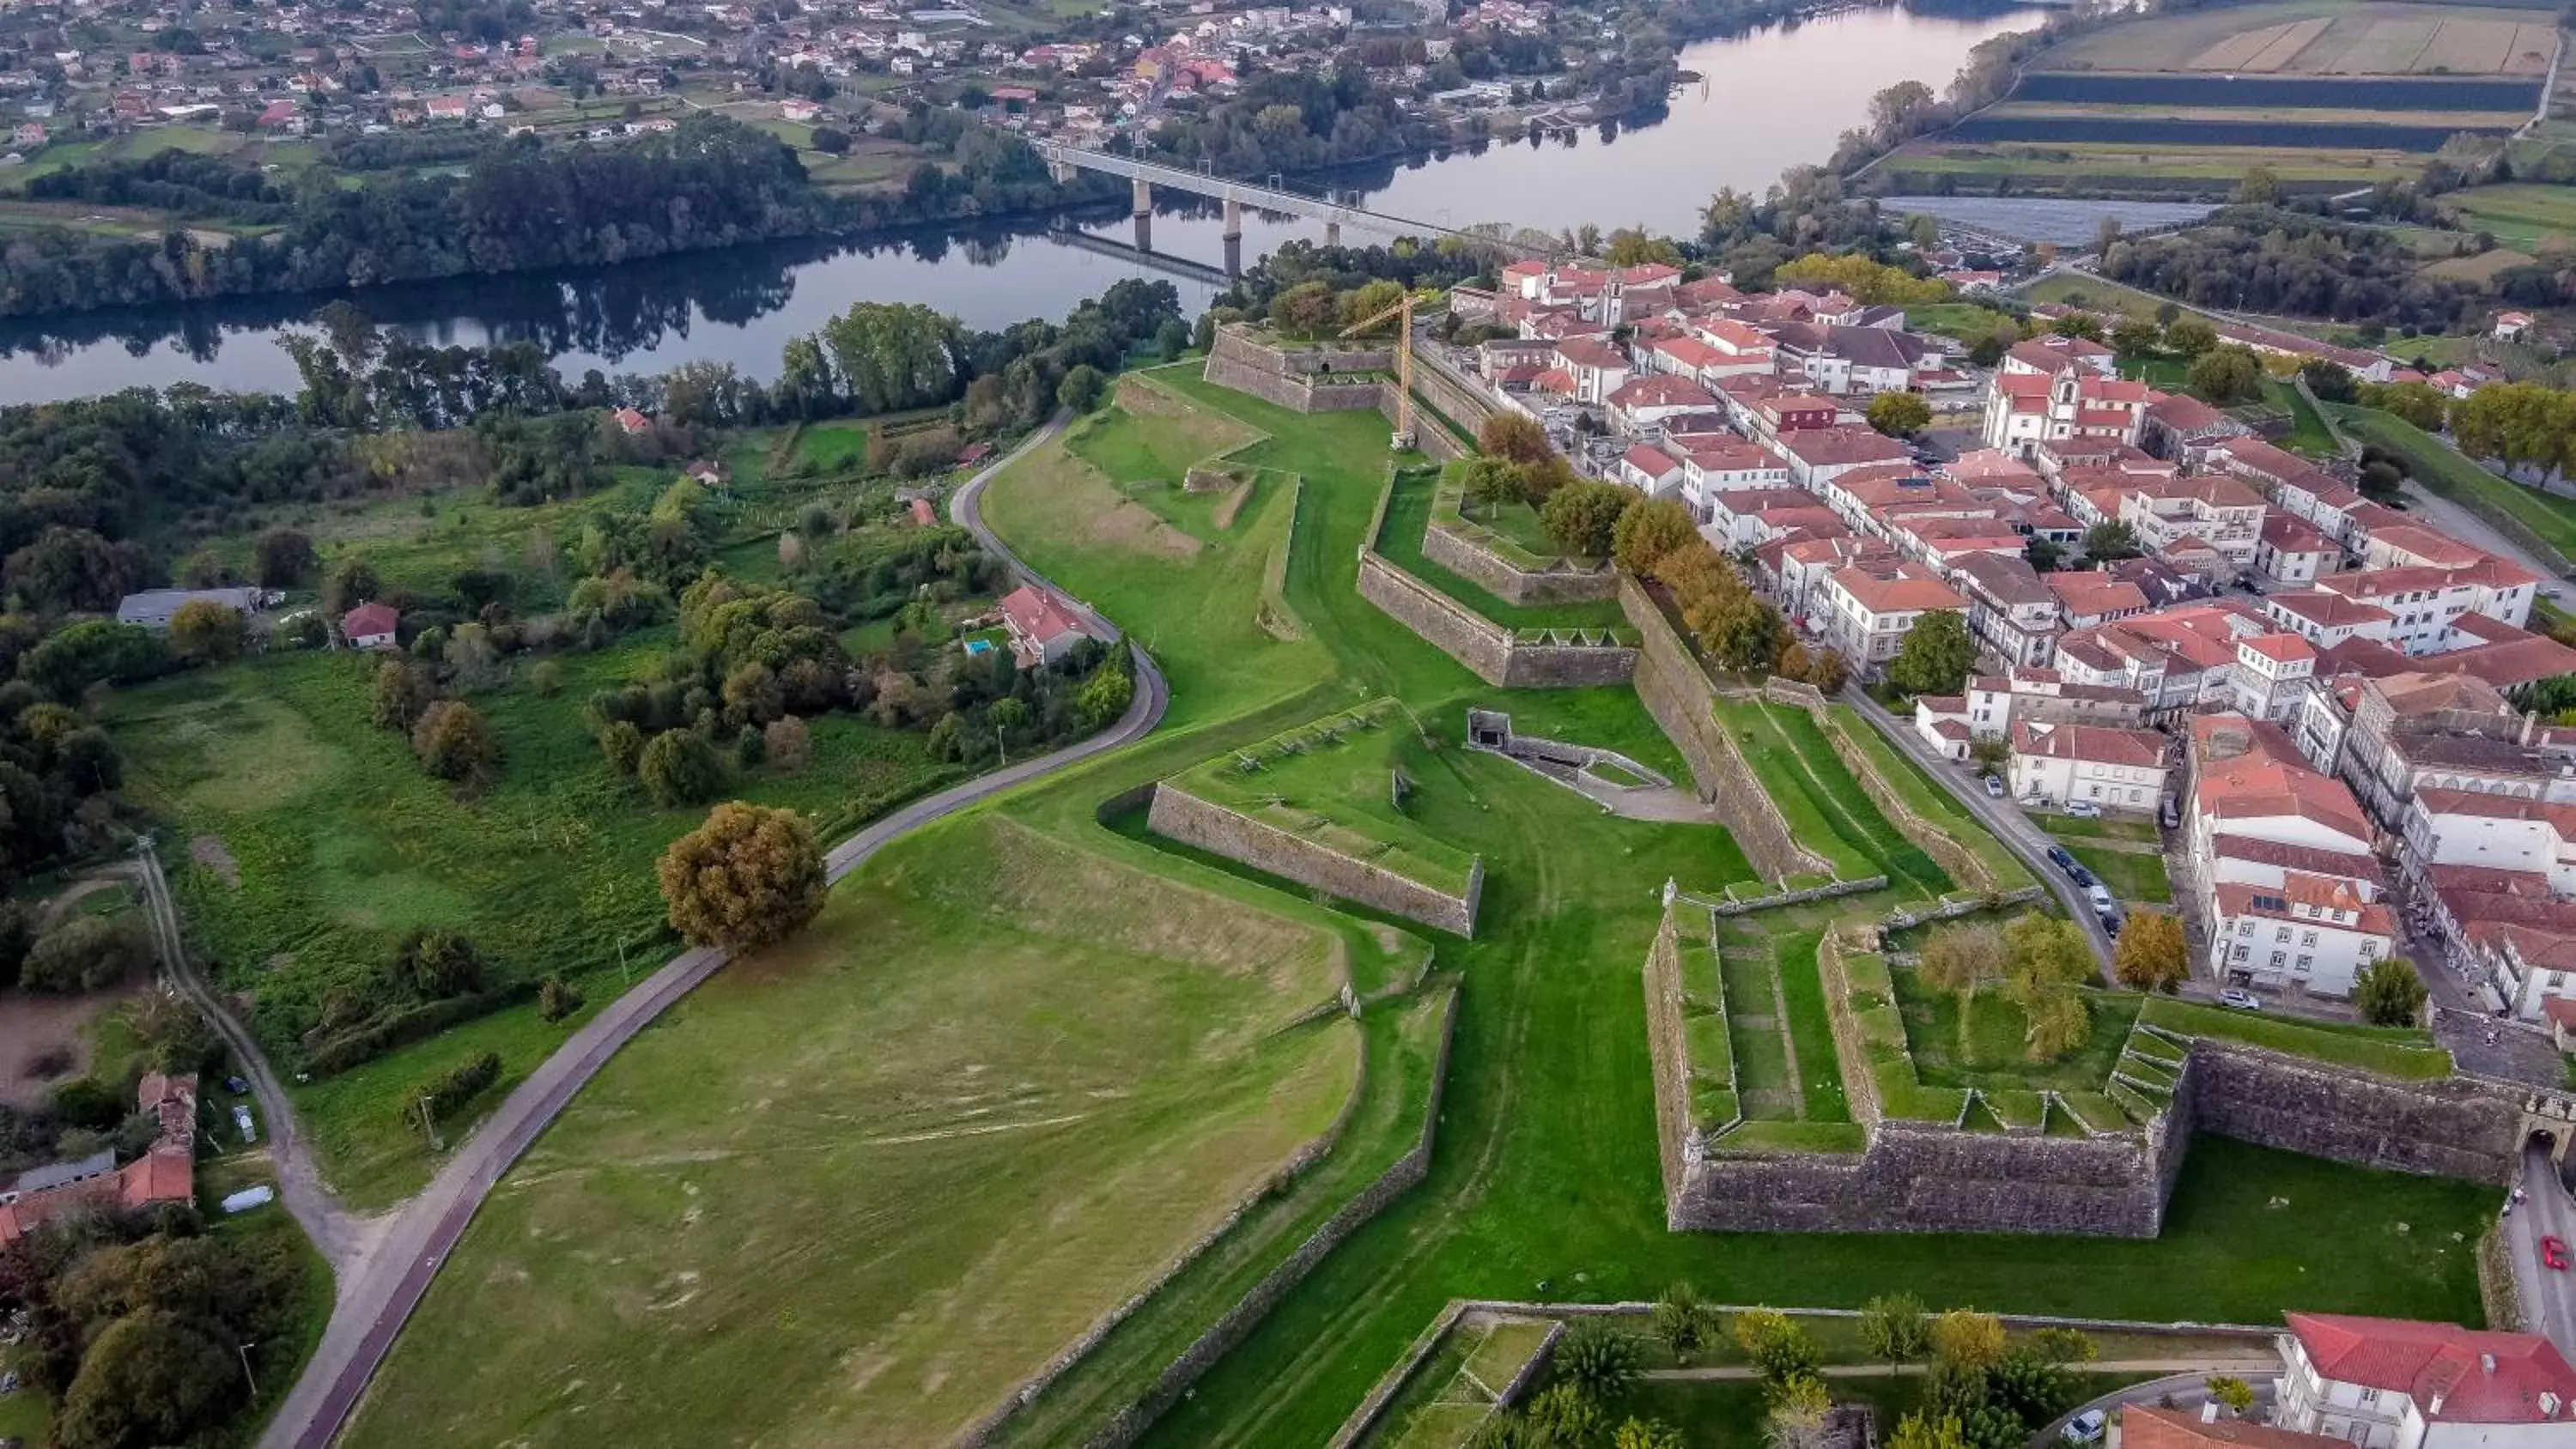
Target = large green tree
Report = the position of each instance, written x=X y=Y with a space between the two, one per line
x=1936 y=656
x=747 y=878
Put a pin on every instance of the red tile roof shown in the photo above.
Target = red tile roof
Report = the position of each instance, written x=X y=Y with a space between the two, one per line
x=368 y=620
x=1036 y=614
x=2455 y=1375
x=2144 y=1426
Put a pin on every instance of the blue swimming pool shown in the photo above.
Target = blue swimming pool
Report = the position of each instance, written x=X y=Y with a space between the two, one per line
x=979 y=646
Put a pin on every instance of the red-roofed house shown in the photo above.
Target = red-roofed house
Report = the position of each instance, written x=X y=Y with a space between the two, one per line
x=2273 y=925
x=2145 y=1426
x=370 y=626
x=2390 y=1383
x=166 y=1172
x=1640 y=403
x=2053 y=764
x=1816 y=456
x=1650 y=470
x=1596 y=367
x=1043 y=628
x=1867 y=612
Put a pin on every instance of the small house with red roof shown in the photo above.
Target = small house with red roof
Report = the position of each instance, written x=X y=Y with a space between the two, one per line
x=630 y=422
x=2392 y=1383
x=165 y=1173
x=1042 y=627
x=2510 y=326
x=370 y=626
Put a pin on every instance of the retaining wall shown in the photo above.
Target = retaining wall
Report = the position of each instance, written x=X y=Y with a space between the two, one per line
x=1678 y=694
x=1568 y=583
x=1493 y=653
x=1238 y=1321
x=1300 y=378
x=1918 y=1178
x=1669 y=1051
x=1465 y=399
x=1192 y=821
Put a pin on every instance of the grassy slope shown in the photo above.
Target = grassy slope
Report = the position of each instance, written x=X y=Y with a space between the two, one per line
x=1408 y=514
x=2442 y=469
x=739 y=1232
x=342 y=843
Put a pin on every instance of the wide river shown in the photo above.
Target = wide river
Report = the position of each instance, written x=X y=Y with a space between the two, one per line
x=1772 y=98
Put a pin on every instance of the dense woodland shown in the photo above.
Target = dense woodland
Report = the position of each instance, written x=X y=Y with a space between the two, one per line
x=2261 y=259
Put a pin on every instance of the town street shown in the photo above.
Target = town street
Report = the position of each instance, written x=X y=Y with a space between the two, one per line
x=379 y=1294
x=2548 y=1295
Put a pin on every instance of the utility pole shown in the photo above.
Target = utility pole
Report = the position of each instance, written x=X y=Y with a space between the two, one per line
x=428 y=1128
x=244 y=1349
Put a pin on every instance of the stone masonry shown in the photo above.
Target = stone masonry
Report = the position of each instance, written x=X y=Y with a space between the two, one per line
x=1566 y=583
x=1495 y=654
x=1192 y=821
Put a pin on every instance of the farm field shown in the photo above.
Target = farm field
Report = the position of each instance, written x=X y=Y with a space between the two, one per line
x=2196 y=169
x=2319 y=38
x=2519 y=214
x=826 y=1083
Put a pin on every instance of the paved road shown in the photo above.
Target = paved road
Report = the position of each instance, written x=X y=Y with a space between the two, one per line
x=2002 y=817
x=2548 y=1298
x=375 y=1301
x=2188 y=1391
x=2468 y=528
x=343 y=1237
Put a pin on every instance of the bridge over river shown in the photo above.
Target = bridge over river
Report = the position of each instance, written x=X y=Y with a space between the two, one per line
x=1063 y=161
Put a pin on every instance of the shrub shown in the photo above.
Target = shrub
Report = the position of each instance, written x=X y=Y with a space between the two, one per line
x=430 y=964
x=454 y=743
x=747 y=878
x=557 y=999
x=680 y=768
x=449 y=1090
x=88 y=953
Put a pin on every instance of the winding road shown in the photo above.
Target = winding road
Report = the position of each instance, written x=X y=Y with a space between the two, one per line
x=387 y=1283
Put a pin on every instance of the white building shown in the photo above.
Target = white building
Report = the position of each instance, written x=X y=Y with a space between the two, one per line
x=1867 y=613
x=2389 y=1383
x=2056 y=764
x=2266 y=834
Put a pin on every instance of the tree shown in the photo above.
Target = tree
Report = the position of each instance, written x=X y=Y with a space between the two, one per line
x=2063 y=1346
x=1599 y=1360
x=1081 y=389
x=2043 y=553
x=1923 y=1430
x=1104 y=697
x=2150 y=955
x=2259 y=187
x=621 y=743
x=2190 y=337
x=284 y=558
x=87 y=953
x=2235 y=1393
x=1647 y=1434
x=1777 y=1347
x=1828 y=671
x=1486 y=479
x=1683 y=1322
x=831 y=140
x=2331 y=381
x=557 y=999
x=403 y=694
x=678 y=767
x=2056 y=1021
x=1514 y=437
x=454 y=743
x=2226 y=374
x=1801 y=1409
x=2133 y=337
x=2077 y=324
x=788 y=744
x=1583 y=517
x=1650 y=532
x=1899 y=414
x=1963 y=956
x=1936 y=656
x=433 y=964
x=2389 y=992
x=2111 y=540
x=1562 y=1415
x=2042 y=950
x=1965 y=1340
x=1895 y=1328
x=152 y=1377
x=1988 y=350
x=351 y=581
x=749 y=877
x=205 y=632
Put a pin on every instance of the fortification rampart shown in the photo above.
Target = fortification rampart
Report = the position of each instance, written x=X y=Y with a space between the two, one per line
x=1677 y=692
x=1495 y=654
x=1566 y=582
x=1192 y=821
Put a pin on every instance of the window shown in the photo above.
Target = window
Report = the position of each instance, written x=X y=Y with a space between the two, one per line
x=2282 y=934
x=2245 y=928
x=2306 y=962
x=2369 y=949
x=2369 y=1398
x=2278 y=957
x=2307 y=938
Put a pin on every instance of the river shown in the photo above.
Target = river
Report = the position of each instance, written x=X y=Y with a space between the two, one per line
x=1771 y=98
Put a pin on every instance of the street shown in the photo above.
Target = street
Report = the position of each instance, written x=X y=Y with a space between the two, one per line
x=2548 y=1296
x=2003 y=817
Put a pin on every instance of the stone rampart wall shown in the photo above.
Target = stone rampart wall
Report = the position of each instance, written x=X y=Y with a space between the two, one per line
x=1917 y=1178
x=1292 y=377
x=1955 y=860
x=1491 y=651
x=1568 y=583
x=1464 y=399
x=1407 y=1173
x=1192 y=821
x=2455 y=1128
x=1678 y=694
x=1669 y=1050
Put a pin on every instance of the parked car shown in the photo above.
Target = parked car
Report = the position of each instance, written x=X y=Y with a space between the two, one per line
x=2172 y=813
x=2085 y=1428
x=2083 y=809
x=2240 y=999
x=2104 y=903
x=2058 y=856
x=2111 y=922
x=236 y=1085
x=1994 y=788
x=2553 y=1254
x=2081 y=876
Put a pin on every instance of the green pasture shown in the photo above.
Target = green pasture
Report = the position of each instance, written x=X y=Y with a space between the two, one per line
x=2520 y=214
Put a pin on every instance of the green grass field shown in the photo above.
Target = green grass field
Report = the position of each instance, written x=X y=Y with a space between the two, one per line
x=337 y=842
x=1826 y=808
x=2518 y=214
x=1330 y=781
x=853 y=1266
x=2131 y=876
x=1408 y=514
x=2441 y=469
x=1983 y=1046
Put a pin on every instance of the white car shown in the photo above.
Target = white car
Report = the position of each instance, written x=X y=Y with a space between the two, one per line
x=2085 y=1428
x=2241 y=1000
x=2083 y=809
x=2103 y=901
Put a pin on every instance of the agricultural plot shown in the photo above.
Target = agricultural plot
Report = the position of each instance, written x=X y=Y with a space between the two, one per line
x=2519 y=214
x=2318 y=37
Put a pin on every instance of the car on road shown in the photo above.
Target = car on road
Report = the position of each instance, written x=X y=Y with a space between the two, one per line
x=2083 y=878
x=2241 y=999
x=2553 y=1254
x=236 y=1085
x=2111 y=922
x=1994 y=788
x=2104 y=903
x=2085 y=1428
x=2083 y=809
x=2059 y=856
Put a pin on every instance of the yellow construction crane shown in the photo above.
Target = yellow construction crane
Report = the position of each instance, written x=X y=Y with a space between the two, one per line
x=1403 y=365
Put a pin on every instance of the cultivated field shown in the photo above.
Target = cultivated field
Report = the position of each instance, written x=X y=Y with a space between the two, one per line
x=2519 y=214
x=2319 y=38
